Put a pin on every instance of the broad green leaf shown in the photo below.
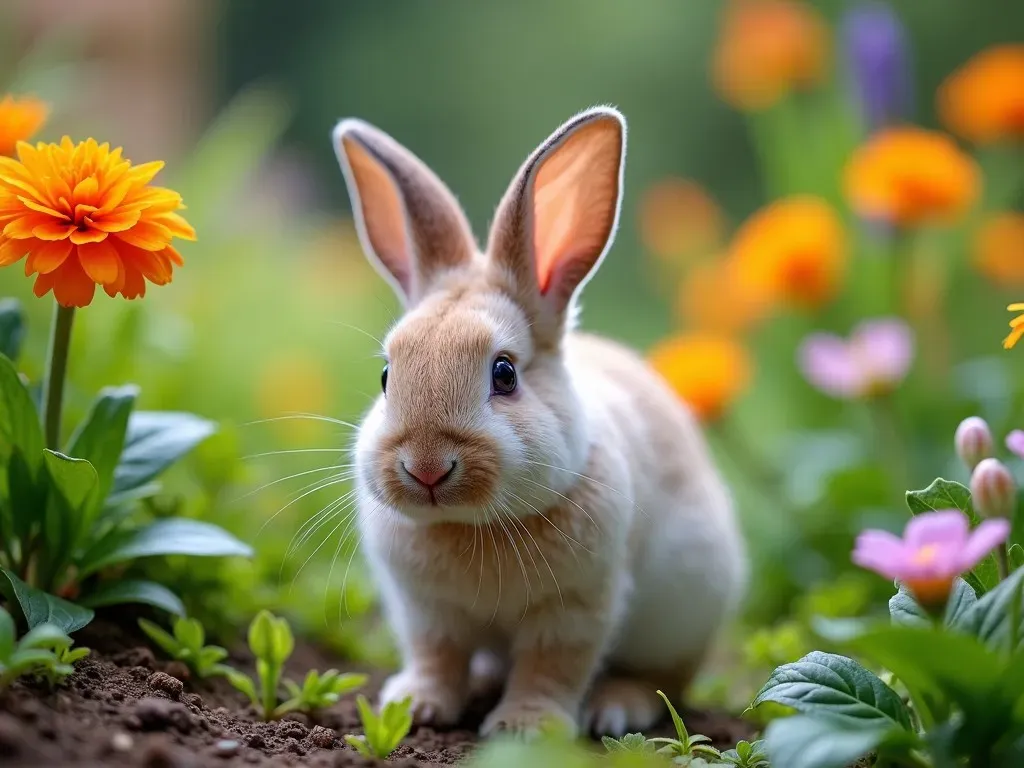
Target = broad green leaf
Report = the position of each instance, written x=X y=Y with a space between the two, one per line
x=811 y=742
x=947 y=494
x=170 y=536
x=12 y=328
x=7 y=634
x=161 y=637
x=1016 y=556
x=243 y=683
x=155 y=441
x=189 y=633
x=21 y=441
x=830 y=685
x=74 y=484
x=904 y=609
x=135 y=591
x=46 y=636
x=100 y=437
x=39 y=607
x=991 y=617
x=74 y=478
x=261 y=635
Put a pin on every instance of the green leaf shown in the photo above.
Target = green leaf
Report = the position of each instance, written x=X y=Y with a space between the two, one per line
x=167 y=642
x=7 y=634
x=135 y=591
x=811 y=742
x=74 y=478
x=45 y=636
x=12 y=328
x=904 y=609
x=270 y=638
x=243 y=683
x=39 y=607
x=190 y=633
x=100 y=437
x=991 y=618
x=1016 y=556
x=170 y=536
x=825 y=684
x=155 y=441
x=20 y=430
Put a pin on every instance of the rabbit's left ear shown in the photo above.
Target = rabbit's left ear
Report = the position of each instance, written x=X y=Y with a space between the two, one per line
x=559 y=216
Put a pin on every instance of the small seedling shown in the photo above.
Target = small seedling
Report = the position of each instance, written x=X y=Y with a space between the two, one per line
x=319 y=691
x=635 y=743
x=43 y=652
x=384 y=732
x=186 y=645
x=747 y=755
x=685 y=749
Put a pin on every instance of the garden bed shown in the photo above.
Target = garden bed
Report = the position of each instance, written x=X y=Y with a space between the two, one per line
x=123 y=706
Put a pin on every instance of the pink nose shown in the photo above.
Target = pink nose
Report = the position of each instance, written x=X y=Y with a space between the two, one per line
x=428 y=477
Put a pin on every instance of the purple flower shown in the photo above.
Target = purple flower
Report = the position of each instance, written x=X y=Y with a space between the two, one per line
x=876 y=51
x=1015 y=442
x=973 y=441
x=875 y=358
x=936 y=548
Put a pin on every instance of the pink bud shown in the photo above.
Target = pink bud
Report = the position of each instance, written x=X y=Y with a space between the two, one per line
x=973 y=441
x=993 y=489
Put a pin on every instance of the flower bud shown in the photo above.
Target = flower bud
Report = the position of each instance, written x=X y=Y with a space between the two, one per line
x=993 y=489
x=973 y=441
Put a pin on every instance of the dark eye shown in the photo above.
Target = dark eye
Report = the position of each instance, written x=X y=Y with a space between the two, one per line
x=503 y=376
x=384 y=380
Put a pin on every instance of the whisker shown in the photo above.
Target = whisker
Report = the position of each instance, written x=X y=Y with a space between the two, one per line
x=497 y=557
x=292 y=450
x=552 y=490
x=540 y=551
x=586 y=477
x=547 y=520
x=307 y=416
x=321 y=484
x=290 y=477
x=358 y=329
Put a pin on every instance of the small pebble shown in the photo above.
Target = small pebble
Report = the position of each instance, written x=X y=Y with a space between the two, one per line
x=294 y=730
x=158 y=714
x=121 y=742
x=178 y=669
x=322 y=737
x=256 y=741
x=193 y=700
x=161 y=681
x=226 y=748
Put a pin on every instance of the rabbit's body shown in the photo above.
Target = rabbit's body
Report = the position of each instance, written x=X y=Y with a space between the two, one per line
x=566 y=520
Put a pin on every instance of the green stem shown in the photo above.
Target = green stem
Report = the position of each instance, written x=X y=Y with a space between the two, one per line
x=56 y=372
x=887 y=428
x=1003 y=561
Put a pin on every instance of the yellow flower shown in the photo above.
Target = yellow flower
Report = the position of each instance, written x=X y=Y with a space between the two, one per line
x=707 y=370
x=766 y=48
x=908 y=176
x=983 y=101
x=1016 y=327
x=19 y=120
x=999 y=249
x=792 y=252
x=678 y=218
x=712 y=297
x=85 y=216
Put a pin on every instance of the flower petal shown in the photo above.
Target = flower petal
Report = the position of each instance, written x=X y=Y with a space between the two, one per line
x=826 y=363
x=147 y=235
x=177 y=225
x=71 y=286
x=12 y=251
x=987 y=536
x=100 y=261
x=881 y=552
x=31 y=204
x=80 y=237
x=885 y=348
x=22 y=228
x=48 y=256
x=947 y=527
x=53 y=230
x=1015 y=442
x=118 y=221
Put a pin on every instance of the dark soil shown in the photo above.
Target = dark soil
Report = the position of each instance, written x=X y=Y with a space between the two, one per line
x=125 y=707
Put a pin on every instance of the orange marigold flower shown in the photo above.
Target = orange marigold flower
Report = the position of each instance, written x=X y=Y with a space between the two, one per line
x=793 y=251
x=678 y=218
x=984 y=100
x=85 y=216
x=766 y=48
x=907 y=176
x=19 y=120
x=1016 y=327
x=999 y=249
x=712 y=297
x=707 y=370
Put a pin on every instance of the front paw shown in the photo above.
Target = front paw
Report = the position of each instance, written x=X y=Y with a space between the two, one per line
x=528 y=718
x=434 y=702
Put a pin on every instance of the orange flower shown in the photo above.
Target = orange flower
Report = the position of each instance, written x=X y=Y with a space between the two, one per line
x=84 y=216
x=766 y=48
x=707 y=370
x=19 y=120
x=793 y=251
x=1016 y=327
x=712 y=297
x=909 y=176
x=984 y=100
x=999 y=249
x=678 y=218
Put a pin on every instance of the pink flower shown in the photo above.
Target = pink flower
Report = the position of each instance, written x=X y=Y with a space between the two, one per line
x=936 y=548
x=1015 y=442
x=873 y=361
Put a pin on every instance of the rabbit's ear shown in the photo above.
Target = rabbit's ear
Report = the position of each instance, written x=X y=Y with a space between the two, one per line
x=559 y=216
x=409 y=222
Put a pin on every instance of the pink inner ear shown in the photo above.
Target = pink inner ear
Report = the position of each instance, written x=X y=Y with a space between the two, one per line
x=575 y=198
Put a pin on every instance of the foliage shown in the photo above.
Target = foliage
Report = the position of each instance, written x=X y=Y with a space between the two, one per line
x=382 y=732
x=271 y=642
x=187 y=645
x=44 y=651
x=684 y=747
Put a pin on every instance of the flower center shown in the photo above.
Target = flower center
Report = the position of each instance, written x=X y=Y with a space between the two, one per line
x=925 y=555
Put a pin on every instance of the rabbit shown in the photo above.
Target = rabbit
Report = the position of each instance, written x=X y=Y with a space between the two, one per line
x=540 y=511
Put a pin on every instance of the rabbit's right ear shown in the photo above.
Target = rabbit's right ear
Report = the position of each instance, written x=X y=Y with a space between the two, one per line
x=409 y=223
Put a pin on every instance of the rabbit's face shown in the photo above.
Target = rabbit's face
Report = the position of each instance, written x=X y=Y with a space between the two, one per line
x=472 y=421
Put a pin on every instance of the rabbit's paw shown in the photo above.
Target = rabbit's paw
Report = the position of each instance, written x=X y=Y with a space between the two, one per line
x=620 y=705
x=528 y=718
x=434 y=702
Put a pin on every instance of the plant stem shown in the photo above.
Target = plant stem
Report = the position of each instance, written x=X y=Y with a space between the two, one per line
x=56 y=372
x=887 y=428
x=1003 y=561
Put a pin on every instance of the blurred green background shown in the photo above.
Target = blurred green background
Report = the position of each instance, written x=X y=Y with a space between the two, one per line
x=276 y=310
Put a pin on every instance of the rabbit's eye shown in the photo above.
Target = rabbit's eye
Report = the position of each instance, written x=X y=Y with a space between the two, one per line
x=384 y=380
x=503 y=376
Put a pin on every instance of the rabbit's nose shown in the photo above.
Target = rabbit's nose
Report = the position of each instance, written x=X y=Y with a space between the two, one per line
x=429 y=476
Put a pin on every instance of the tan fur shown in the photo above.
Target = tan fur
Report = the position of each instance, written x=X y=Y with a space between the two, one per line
x=583 y=535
